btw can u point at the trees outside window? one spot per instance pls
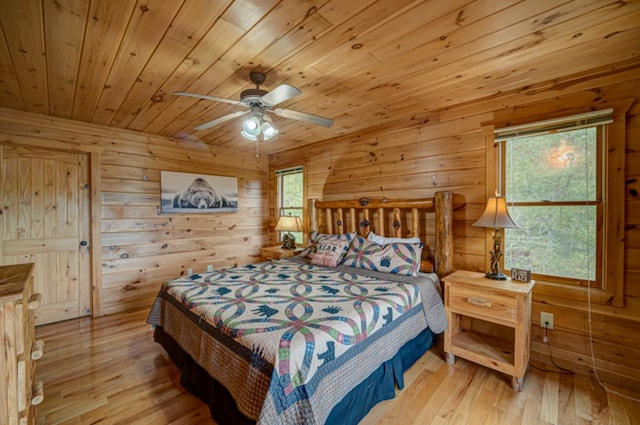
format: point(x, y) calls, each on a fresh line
point(553, 185)
point(291, 196)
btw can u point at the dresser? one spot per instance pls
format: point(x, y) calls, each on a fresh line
point(20, 351)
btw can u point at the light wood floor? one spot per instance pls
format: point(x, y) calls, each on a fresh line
point(109, 371)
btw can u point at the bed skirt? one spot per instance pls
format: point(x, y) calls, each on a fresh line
point(379, 386)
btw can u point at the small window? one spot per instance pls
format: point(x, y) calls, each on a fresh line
point(553, 183)
point(291, 196)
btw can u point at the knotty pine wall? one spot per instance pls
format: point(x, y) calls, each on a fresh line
point(135, 248)
point(448, 152)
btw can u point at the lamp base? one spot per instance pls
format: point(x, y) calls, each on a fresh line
point(495, 276)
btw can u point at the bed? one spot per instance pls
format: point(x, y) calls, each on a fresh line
point(305, 340)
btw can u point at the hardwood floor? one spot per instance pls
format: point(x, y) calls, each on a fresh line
point(109, 371)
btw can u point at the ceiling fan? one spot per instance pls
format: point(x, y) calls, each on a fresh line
point(258, 102)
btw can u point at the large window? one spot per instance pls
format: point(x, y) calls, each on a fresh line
point(553, 181)
point(291, 196)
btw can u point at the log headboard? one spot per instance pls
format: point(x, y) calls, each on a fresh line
point(429, 219)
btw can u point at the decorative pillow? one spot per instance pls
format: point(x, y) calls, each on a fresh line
point(398, 258)
point(315, 238)
point(329, 253)
point(381, 240)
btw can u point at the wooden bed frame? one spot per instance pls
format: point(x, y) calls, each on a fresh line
point(390, 217)
point(394, 218)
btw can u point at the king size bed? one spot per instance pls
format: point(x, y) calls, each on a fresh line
point(320, 337)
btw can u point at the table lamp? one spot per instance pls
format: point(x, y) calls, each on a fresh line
point(496, 217)
point(288, 223)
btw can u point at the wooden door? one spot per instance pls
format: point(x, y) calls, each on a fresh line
point(45, 199)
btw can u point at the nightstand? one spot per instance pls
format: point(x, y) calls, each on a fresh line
point(469, 295)
point(273, 252)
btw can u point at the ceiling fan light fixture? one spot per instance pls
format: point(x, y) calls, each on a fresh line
point(268, 129)
point(252, 125)
point(249, 136)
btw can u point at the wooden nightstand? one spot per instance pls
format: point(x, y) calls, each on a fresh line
point(469, 295)
point(273, 252)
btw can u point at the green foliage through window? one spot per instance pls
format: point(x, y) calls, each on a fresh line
point(552, 187)
point(291, 197)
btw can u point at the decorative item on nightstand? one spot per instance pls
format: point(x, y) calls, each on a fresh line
point(496, 216)
point(289, 223)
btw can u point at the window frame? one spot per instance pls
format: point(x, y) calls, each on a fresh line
point(612, 291)
point(598, 281)
point(279, 198)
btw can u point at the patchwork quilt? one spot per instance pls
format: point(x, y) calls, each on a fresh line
point(288, 338)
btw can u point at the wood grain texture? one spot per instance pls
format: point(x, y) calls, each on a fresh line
point(360, 62)
point(448, 154)
point(133, 248)
point(109, 370)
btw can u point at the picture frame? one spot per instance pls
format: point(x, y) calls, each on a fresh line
point(193, 193)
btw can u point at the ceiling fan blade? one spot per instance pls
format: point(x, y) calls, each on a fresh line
point(221, 120)
point(280, 94)
point(207, 97)
point(302, 116)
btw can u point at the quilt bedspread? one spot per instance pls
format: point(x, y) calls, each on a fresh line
point(302, 325)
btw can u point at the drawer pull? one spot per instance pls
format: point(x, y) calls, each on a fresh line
point(35, 301)
point(479, 301)
point(38, 394)
point(37, 350)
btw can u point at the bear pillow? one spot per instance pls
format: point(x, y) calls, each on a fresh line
point(315, 238)
point(329, 253)
point(397, 258)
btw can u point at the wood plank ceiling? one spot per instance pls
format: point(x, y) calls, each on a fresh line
point(363, 63)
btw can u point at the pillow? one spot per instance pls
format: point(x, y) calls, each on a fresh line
point(381, 240)
point(329, 253)
point(397, 258)
point(316, 237)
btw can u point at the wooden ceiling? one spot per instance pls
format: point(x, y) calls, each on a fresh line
point(363, 63)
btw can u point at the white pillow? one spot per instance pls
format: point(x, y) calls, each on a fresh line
point(381, 240)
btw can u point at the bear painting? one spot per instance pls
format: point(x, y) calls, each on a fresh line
point(197, 194)
point(200, 194)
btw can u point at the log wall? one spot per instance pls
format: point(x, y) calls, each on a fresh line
point(448, 152)
point(134, 247)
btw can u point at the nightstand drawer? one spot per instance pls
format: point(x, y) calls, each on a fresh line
point(488, 303)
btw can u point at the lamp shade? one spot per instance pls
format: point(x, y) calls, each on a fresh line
point(288, 223)
point(496, 214)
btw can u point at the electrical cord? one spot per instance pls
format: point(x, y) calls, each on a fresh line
point(562, 370)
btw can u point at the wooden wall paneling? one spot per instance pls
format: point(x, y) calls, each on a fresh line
point(22, 26)
point(282, 19)
point(64, 25)
point(381, 157)
point(125, 181)
point(9, 86)
point(189, 25)
point(476, 59)
point(147, 25)
point(107, 26)
point(219, 39)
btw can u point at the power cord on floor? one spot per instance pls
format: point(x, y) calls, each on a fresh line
point(593, 356)
point(561, 370)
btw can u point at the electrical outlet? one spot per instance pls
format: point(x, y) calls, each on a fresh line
point(209, 267)
point(189, 272)
point(546, 320)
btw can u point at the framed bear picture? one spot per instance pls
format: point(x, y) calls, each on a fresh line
point(188, 193)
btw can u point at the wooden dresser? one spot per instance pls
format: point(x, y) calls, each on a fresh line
point(20, 351)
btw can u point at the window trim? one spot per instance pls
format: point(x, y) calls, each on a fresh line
point(599, 202)
point(282, 172)
point(612, 292)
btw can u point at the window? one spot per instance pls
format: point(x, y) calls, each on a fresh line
point(552, 174)
point(291, 196)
